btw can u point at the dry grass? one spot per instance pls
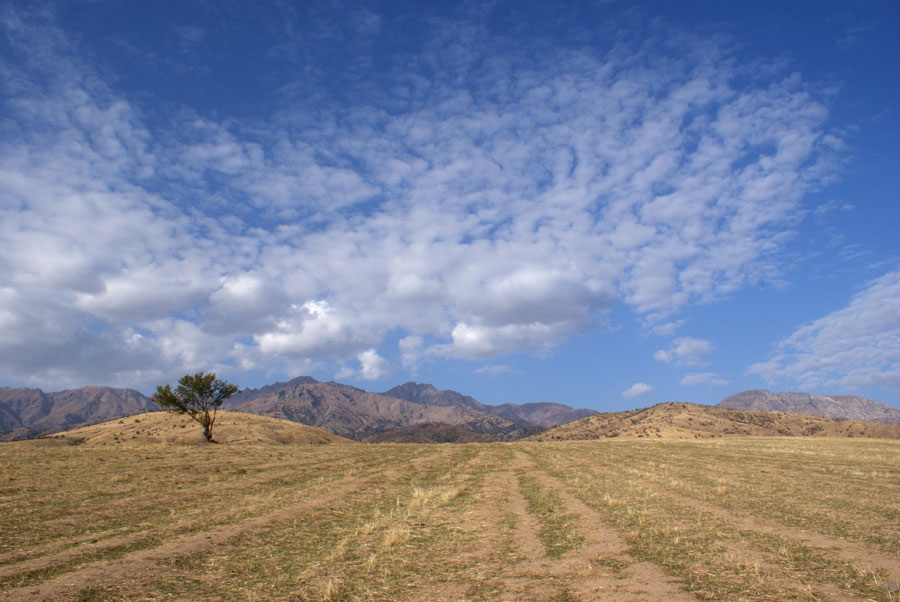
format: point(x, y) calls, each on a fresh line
point(727, 519)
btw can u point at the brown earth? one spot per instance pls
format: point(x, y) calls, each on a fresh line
point(692, 421)
point(167, 427)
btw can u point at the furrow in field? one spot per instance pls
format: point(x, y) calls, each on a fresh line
point(847, 551)
point(712, 558)
point(145, 542)
point(107, 537)
point(605, 549)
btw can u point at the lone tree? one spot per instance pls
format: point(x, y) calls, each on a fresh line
point(198, 396)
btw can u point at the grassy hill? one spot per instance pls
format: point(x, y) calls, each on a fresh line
point(166, 427)
point(692, 421)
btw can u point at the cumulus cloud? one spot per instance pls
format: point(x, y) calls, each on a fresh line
point(685, 351)
point(703, 378)
point(372, 366)
point(637, 389)
point(856, 346)
point(480, 208)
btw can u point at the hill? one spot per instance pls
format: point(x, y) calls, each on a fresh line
point(430, 433)
point(692, 421)
point(543, 414)
point(357, 414)
point(830, 406)
point(28, 413)
point(167, 427)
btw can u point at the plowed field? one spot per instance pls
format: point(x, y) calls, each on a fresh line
point(730, 519)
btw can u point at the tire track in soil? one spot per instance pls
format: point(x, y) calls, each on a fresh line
point(847, 551)
point(744, 554)
point(446, 591)
point(528, 574)
point(143, 562)
point(583, 570)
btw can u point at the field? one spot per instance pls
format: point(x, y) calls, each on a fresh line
point(723, 519)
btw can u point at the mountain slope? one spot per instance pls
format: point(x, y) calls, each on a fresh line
point(542, 414)
point(357, 414)
point(691, 421)
point(31, 412)
point(430, 432)
point(167, 427)
point(829, 406)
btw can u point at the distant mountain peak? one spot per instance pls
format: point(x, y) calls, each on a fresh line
point(28, 413)
point(847, 407)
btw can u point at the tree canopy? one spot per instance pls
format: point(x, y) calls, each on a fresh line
point(199, 396)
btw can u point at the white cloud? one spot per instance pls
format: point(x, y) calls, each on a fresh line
point(495, 369)
point(314, 329)
point(637, 389)
point(685, 351)
point(499, 217)
point(703, 378)
point(668, 328)
point(856, 346)
point(372, 365)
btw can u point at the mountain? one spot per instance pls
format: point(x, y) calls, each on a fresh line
point(357, 414)
point(692, 421)
point(542, 414)
point(425, 394)
point(430, 432)
point(28, 413)
point(167, 427)
point(829, 406)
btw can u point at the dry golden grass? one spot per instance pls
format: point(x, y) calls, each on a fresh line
point(723, 519)
point(692, 421)
point(167, 427)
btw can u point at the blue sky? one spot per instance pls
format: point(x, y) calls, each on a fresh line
point(606, 204)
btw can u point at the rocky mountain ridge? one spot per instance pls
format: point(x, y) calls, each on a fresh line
point(847, 407)
point(26, 413)
point(540, 414)
point(358, 414)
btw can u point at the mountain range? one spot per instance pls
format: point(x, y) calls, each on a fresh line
point(847, 407)
point(411, 412)
point(26, 413)
point(358, 414)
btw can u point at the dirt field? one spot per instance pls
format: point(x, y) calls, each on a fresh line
point(728, 519)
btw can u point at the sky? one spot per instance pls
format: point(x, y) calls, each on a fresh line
point(605, 204)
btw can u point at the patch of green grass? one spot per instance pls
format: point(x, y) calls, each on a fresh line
point(557, 527)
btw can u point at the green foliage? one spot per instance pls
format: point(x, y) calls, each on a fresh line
point(199, 396)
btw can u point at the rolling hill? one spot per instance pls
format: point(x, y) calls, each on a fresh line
point(692, 421)
point(167, 427)
point(830, 406)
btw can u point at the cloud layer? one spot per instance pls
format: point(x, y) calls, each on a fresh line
point(857, 346)
point(482, 200)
